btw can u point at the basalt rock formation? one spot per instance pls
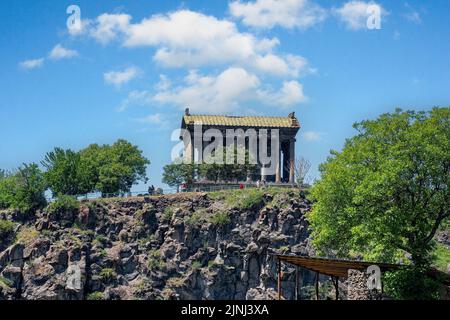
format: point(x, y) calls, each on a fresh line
point(184, 246)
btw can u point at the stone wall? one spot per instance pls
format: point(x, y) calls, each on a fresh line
point(357, 288)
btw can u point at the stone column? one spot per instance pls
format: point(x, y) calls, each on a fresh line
point(292, 160)
point(263, 173)
point(285, 163)
point(188, 150)
point(278, 168)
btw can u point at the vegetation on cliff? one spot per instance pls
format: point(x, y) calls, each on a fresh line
point(182, 246)
point(108, 169)
point(385, 195)
point(23, 190)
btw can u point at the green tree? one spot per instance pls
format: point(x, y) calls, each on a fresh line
point(175, 174)
point(66, 173)
point(228, 172)
point(23, 190)
point(387, 192)
point(114, 168)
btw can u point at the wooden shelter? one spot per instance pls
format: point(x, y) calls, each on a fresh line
point(333, 268)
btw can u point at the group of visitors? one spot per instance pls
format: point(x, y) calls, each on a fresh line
point(261, 184)
point(151, 190)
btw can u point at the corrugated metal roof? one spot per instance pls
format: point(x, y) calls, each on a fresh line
point(333, 267)
point(234, 121)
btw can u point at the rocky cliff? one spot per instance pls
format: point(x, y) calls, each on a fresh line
point(185, 246)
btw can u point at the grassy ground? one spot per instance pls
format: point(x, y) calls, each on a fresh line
point(231, 196)
point(442, 254)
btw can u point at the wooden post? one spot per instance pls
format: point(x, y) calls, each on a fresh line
point(336, 287)
point(317, 285)
point(279, 279)
point(296, 282)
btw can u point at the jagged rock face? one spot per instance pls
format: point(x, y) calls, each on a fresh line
point(185, 246)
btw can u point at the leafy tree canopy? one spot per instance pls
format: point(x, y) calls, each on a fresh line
point(176, 174)
point(114, 168)
point(228, 171)
point(109, 169)
point(66, 174)
point(387, 192)
point(24, 189)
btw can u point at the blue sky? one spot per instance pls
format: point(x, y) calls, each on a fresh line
point(130, 71)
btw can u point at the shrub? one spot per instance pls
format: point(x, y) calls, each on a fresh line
point(6, 228)
point(96, 296)
point(220, 219)
point(108, 274)
point(251, 199)
point(281, 199)
point(63, 203)
point(26, 235)
point(5, 283)
point(100, 240)
point(441, 257)
point(103, 253)
point(141, 285)
point(284, 249)
point(46, 233)
point(155, 260)
point(196, 265)
point(6, 233)
point(168, 213)
point(176, 282)
point(245, 199)
point(149, 238)
point(412, 284)
point(197, 217)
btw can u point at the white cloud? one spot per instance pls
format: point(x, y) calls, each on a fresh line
point(164, 83)
point(226, 92)
point(290, 94)
point(136, 98)
point(156, 118)
point(355, 13)
point(59, 52)
point(190, 39)
point(107, 26)
point(119, 78)
point(219, 94)
point(312, 136)
point(81, 28)
point(412, 15)
point(32, 64)
point(289, 65)
point(289, 14)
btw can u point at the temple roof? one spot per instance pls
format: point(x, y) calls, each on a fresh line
point(241, 121)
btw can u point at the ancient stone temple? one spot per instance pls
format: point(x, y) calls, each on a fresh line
point(263, 137)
